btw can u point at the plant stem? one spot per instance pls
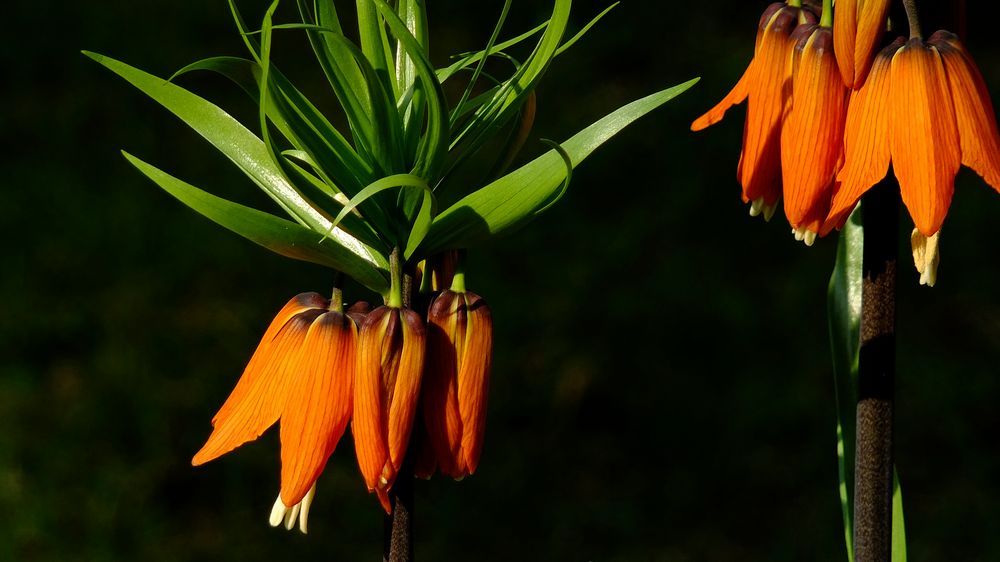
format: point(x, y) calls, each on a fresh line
point(397, 537)
point(876, 374)
point(912, 19)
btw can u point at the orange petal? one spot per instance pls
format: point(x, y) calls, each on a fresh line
point(440, 386)
point(261, 401)
point(299, 303)
point(368, 422)
point(474, 379)
point(866, 139)
point(845, 30)
point(405, 386)
point(735, 96)
point(977, 127)
point(813, 134)
point(318, 404)
point(759, 170)
point(871, 22)
point(923, 136)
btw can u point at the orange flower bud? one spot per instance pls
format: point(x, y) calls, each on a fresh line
point(459, 354)
point(857, 27)
point(386, 388)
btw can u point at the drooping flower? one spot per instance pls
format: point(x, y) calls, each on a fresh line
point(857, 27)
point(456, 383)
point(812, 134)
point(926, 109)
point(386, 389)
point(767, 87)
point(301, 373)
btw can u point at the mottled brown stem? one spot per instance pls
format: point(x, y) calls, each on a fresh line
point(398, 528)
point(876, 373)
point(397, 535)
point(912, 18)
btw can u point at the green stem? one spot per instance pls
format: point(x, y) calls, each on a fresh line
point(795, 3)
point(395, 299)
point(458, 281)
point(826, 19)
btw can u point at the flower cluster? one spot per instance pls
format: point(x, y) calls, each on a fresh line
point(825, 118)
point(319, 367)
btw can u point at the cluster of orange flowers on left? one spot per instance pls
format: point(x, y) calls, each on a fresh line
point(319, 367)
point(826, 116)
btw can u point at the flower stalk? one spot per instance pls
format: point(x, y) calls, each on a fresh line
point(876, 376)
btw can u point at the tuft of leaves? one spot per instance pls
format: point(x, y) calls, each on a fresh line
point(355, 195)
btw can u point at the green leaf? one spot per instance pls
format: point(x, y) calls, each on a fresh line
point(226, 134)
point(490, 118)
point(434, 145)
point(514, 199)
point(844, 317)
point(338, 65)
point(378, 186)
point(276, 234)
point(898, 525)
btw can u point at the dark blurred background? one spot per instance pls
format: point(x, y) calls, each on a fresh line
point(662, 387)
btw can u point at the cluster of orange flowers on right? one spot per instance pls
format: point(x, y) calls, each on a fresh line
point(319, 367)
point(825, 117)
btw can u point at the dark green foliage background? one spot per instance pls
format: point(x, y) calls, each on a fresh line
point(662, 386)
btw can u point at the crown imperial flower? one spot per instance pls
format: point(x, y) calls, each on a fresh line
point(301, 373)
point(812, 135)
point(925, 109)
point(459, 352)
point(386, 389)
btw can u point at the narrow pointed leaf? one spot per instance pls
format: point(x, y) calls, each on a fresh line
point(228, 135)
point(513, 200)
point(844, 317)
point(276, 234)
point(898, 525)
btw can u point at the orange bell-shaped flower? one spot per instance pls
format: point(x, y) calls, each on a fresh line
point(813, 133)
point(457, 376)
point(857, 27)
point(925, 108)
point(386, 391)
point(766, 85)
point(301, 372)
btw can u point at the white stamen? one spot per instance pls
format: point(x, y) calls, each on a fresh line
point(277, 512)
point(804, 235)
point(769, 211)
point(926, 256)
point(280, 513)
point(756, 206)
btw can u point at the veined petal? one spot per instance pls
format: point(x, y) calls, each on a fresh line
point(812, 135)
point(319, 403)
point(298, 303)
point(263, 400)
point(871, 22)
point(845, 30)
point(735, 96)
point(759, 170)
point(474, 379)
point(977, 126)
point(368, 423)
point(405, 386)
point(440, 386)
point(923, 136)
point(866, 139)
